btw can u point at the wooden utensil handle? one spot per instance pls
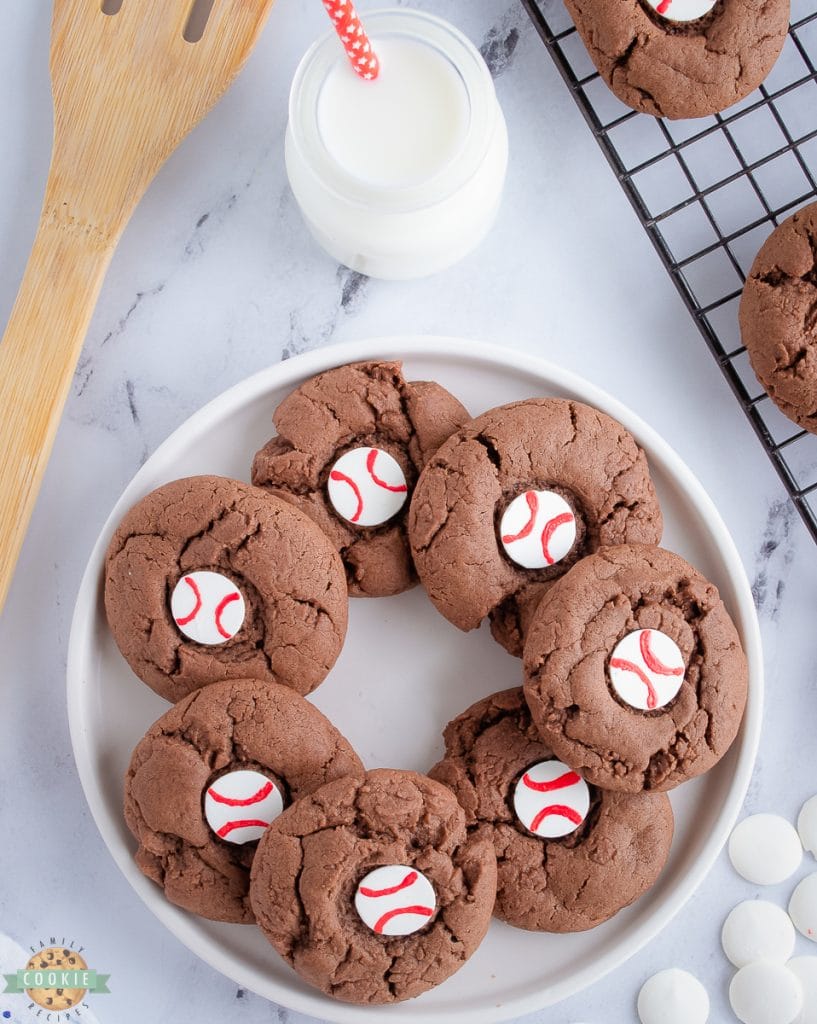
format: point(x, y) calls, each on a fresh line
point(38, 355)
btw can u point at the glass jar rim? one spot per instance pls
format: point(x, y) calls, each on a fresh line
point(324, 54)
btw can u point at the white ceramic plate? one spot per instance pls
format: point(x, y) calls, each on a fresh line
point(403, 673)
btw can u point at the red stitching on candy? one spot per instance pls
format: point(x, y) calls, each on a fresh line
point(381, 923)
point(533, 504)
point(235, 596)
point(553, 809)
point(550, 528)
point(564, 780)
point(225, 830)
point(664, 6)
point(410, 879)
point(650, 659)
point(628, 666)
point(371, 458)
point(343, 478)
point(233, 801)
point(197, 593)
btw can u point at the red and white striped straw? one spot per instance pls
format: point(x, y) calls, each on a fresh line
point(353, 36)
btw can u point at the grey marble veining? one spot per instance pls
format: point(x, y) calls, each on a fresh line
point(215, 278)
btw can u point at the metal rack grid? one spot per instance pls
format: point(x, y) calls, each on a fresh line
point(708, 193)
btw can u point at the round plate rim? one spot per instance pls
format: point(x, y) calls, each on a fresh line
point(288, 373)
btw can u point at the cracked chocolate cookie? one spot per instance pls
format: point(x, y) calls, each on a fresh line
point(350, 445)
point(207, 579)
point(778, 317)
point(372, 889)
point(634, 672)
point(682, 58)
point(569, 855)
point(516, 497)
point(209, 777)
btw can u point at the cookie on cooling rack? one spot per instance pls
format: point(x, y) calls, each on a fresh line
point(516, 497)
point(350, 445)
point(778, 317)
point(569, 855)
point(634, 671)
point(208, 778)
point(682, 58)
point(372, 888)
point(207, 579)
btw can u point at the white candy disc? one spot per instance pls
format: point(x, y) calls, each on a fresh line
point(766, 993)
point(804, 968)
point(240, 805)
point(537, 529)
point(673, 997)
point(647, 669)
point(395, 900)
point(551, 800)
point(757, 930)
point(682, 10)
point(765, 849)
point(807, 825)
point(367, 486)
point(803, 907)
point(207, 607)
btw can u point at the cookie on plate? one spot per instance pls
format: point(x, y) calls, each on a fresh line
point(569, 855)
point(207, 578)
point(350, 445)
point(778, 317)
point(516, 497)
point(372, 889)
point(208, 778)
point(682, 58)
point(634, 672)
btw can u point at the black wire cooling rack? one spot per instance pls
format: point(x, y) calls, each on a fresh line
point(708, 193)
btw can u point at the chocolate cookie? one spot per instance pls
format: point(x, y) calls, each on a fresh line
point(372, 889)
point(208, 579)
point(209, 777)
point(350, 445)
point(634, 673)
point(516, 497)
point(569, 856)
point(682, 58)
point(778, 317)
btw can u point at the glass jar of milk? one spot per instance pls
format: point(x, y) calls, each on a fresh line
point(401, 176)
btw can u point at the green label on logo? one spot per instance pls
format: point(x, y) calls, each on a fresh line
point(48, 979)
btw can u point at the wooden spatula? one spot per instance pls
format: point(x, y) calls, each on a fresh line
point(127, 88)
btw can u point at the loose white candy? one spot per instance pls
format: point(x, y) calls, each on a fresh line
point(682, 10)
point(766, 993)
point(207, 607)
point(240, 805)
point(805, 970)
point(537, 529)
point(673, 997)
point(765, 849)
point(395, 900)
point(803, 907)
point(646, 669)
point(367, 486)
point(807, 825)
point(757, 930)
point(551, 800)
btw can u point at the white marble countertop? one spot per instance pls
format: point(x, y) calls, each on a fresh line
point(216, 278)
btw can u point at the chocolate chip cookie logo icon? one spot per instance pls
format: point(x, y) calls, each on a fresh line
point(57, 978)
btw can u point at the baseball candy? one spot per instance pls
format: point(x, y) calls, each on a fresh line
point(647, 669)
point(207, 607)
point(240, 805)
point(682, 10)
point(395, 900)
point(537, 529)
point(367, 487)
point(551, 800)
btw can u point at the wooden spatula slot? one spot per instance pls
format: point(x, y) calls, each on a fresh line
point(111, 6)
point(197, 22)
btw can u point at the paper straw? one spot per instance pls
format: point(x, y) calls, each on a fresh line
point(353, 36)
